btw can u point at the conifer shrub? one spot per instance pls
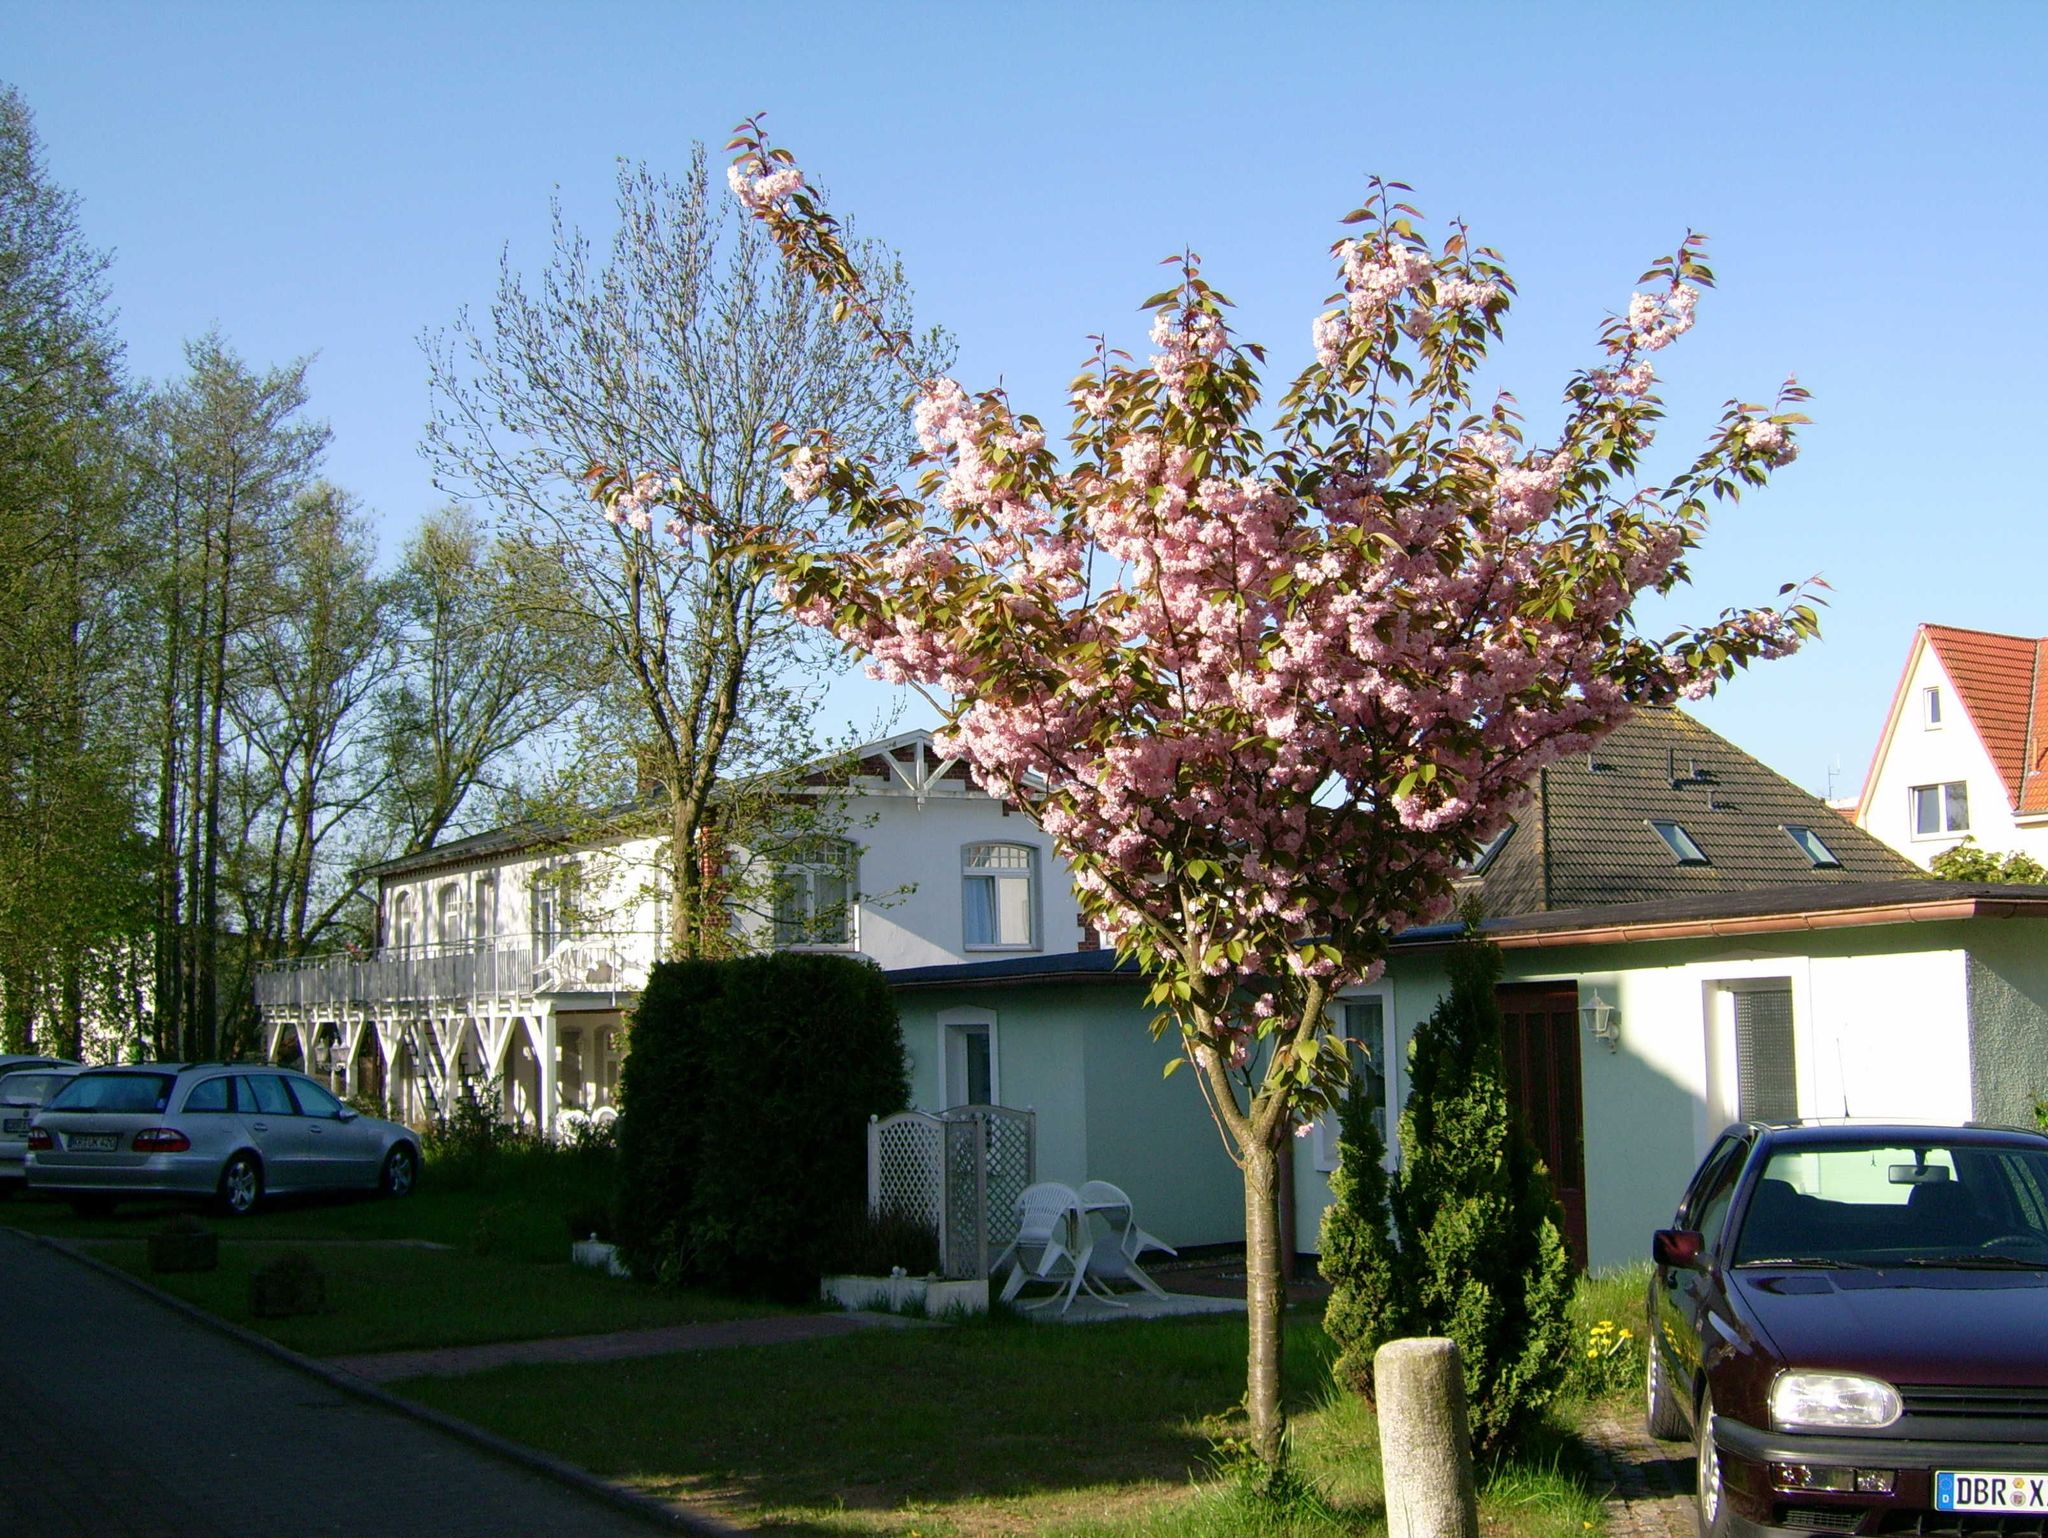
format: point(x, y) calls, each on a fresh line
point(1467, 1240)
point(743, 1132)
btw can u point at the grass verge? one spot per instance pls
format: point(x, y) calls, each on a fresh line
point(393, 1299)
point(1096, 1430)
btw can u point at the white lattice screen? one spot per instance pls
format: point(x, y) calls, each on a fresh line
point(961, 1171)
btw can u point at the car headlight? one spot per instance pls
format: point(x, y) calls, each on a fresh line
point(1802, 1401)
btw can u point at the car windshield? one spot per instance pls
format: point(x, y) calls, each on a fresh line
point(1918, 1203)
point(114, 1092)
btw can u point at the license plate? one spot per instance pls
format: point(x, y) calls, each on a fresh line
point(1972, 1490)
point(92, 1142)
point(14, 1124)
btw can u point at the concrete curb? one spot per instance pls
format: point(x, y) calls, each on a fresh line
point(662, 1514)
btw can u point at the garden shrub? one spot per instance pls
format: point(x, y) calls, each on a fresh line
point(743, 1116)
point(864, 1243)
point(1480, 1255)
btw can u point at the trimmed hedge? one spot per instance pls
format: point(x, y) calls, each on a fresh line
point(744, 1104)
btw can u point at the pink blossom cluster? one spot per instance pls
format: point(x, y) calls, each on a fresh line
point(1633, 381)
point(1188, 338)
point(634, 507)
point(1266, 701)
point(759, 188)
point(1771, 442)
point(1655, 321)
point(804, 472)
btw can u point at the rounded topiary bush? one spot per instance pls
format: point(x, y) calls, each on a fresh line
point(743, 1131)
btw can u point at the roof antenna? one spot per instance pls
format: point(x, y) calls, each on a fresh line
point(1842, 1070)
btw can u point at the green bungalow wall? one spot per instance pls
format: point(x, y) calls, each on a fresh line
point(1929, 1021)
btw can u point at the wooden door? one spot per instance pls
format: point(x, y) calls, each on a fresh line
point(1539, 1039)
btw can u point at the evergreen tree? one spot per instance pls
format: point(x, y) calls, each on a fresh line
point(1481, 1256)
point(1358, 1254)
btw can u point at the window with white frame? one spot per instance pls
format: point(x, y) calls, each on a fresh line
point(999, 896)
point(1930, 708)
point(550, 909)
point(816, 891)
point(404, 927)
point(484, 905)
point(970, 1058)
point(448, 913)
point(1939, 809)
point(1363, 1023)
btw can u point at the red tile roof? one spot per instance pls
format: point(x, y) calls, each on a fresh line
point(1999, 680)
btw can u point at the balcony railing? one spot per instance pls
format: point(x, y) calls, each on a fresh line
point(503, 967)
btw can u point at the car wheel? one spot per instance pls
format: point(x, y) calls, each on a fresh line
point(1663, 1419)
point(401, 1169)
point(1710, 1497)
point(241, 1185)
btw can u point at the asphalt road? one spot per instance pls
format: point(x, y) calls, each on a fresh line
point(121, 1417)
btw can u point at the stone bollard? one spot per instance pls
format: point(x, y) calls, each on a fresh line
point(1425, 1440)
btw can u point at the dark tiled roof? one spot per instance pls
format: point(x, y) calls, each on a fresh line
point(1997, 679)
point(1069, 966)
point(1586, 839)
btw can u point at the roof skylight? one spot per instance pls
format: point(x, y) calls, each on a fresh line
point(1812, 847)
point(1679, 842)
point(1488, 853)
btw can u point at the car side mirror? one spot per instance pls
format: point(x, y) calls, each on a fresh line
point(1677, 1247)
point(349, 1113)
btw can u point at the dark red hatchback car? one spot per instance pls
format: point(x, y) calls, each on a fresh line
point(1850, 1320)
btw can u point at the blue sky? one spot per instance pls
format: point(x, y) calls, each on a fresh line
point(337, 179)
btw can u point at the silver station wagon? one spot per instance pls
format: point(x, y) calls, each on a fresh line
point(23, 1093)
point(234, 1132)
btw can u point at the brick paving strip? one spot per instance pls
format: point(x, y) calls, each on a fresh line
point(126, 1411)
point(1651, 1494)
point(453, 1361)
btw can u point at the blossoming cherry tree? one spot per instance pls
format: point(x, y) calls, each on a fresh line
point(1268, 687)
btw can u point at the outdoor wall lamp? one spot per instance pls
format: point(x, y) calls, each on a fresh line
point(1603, 1020)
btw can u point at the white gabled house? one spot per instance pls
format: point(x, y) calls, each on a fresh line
point(510, 956)
point(1964, 751)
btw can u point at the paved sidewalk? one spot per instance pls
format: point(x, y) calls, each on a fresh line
point(1652, 1481)
point(774, 1330)
point(122, 1417)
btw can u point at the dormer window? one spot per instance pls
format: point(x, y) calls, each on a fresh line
point(1680, 843)
point(1930, 708)
point(1812, 847)
point(1488, 852)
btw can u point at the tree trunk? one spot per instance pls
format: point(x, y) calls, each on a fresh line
point(1265, 1300)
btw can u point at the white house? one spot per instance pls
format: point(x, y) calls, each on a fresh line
point(516, 957)
point(1688, 939)
point(1964, 752)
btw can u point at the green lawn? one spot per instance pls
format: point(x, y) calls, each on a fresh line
point(996, 1428)
point(390, 1299)
point(518, 1205)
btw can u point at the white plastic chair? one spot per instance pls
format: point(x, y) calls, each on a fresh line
point(1119, 1261)
point(1053, 1244)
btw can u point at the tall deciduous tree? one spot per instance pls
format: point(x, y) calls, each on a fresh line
point(70, 878)
point(310, 670)
point(1267, 689)
point(657, 377)
point(225, 460)
point(474, 677)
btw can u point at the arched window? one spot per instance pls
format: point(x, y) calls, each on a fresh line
point(999, 896)
point(404, 925)
point(817, 889)
point(448, 913)
point(485, 905)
